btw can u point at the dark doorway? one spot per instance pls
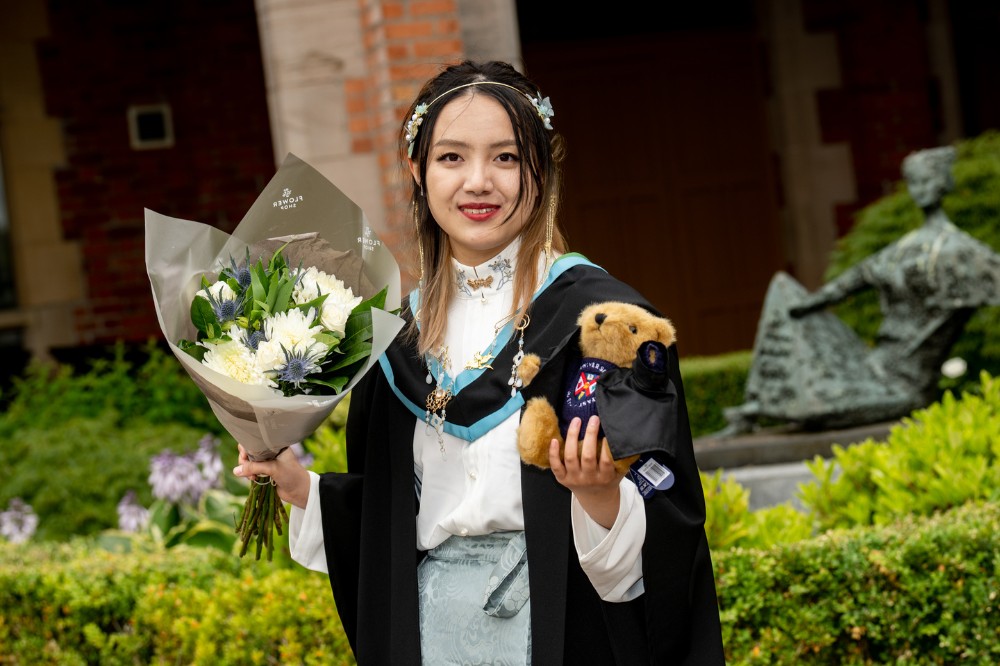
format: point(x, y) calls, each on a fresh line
point(669, 181)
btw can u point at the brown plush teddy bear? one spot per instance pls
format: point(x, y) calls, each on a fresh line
point(613, 337)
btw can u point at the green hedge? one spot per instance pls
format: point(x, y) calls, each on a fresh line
point(76, 604)
point(921, 591)
point(711, 383)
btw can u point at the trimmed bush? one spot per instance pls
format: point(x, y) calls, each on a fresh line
point(711, 383)
point(76, 604)
point(939, 457)
point(921, 591)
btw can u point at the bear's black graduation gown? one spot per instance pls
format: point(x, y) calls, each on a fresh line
point(369, 514)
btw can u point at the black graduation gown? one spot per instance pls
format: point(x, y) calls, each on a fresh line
point(370, 528)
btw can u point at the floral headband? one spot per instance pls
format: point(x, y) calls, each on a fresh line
point(543, 107)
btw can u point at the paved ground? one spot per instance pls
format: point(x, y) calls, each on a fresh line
point(769, 463)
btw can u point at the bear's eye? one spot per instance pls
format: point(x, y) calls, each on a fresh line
point(633, 329)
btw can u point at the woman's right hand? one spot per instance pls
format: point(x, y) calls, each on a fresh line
point(289, 476)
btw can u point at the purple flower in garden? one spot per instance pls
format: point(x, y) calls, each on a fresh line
point(132, 516)
point(305, 458)
point(19, 522)
point(184, 478)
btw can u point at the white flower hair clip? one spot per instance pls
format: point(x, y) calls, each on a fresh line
point(543, 107)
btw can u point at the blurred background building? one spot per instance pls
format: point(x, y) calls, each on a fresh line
point(709, 144)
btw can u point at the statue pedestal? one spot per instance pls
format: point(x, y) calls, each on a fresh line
point(770, 446)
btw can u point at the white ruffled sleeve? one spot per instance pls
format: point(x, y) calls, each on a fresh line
point(612, 559)
point(305, 531)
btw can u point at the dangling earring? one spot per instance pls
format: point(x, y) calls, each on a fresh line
point(550, 222)
point(420, 242)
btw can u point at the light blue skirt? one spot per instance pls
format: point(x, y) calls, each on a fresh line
point(474, 605)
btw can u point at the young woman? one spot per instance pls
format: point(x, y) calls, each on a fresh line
point(441, 546)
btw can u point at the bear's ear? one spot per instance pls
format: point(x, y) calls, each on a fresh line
point(665, 332)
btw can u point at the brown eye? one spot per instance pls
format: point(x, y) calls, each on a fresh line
point(633, 329)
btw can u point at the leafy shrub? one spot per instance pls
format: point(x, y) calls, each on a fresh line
point(711, 383)
point(156, 391)
point(75, 603)
point(921, 591)
point(940, 457)
point(729, 523)
point(973, 206)
point(73, 472)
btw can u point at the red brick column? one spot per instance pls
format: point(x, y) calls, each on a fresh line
point(407, 42)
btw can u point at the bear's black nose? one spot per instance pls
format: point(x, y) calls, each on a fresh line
point(600, 317)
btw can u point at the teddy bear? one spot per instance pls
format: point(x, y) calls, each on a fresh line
point(615, 337)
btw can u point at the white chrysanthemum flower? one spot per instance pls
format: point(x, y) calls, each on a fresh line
point(292, 330)
point(234, 359)
point(340, 300)
point(220, 292)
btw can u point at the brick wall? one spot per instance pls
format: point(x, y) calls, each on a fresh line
point(406, 42)
point(201, 58)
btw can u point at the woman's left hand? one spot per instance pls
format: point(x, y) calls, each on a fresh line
point(587, 468)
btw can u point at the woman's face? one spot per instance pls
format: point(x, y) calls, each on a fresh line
point(473, 178)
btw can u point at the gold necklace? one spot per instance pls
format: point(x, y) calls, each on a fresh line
point(435, 406)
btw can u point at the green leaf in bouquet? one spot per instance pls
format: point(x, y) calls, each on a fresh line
point(278, 263)
point(376, 301)
point(284, 295)
point(336, 383)
point(329, 339)
point(359, 324)
point(359, 353)
point(272, 292)
point(192, 349)
point(314, 303)
point(258, 280)
point(205, 284)
point(203, 316)
point(234, 285)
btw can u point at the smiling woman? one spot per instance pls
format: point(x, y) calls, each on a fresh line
point(441, 544)
point(472, 182)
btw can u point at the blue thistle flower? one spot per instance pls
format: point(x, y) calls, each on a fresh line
point(240, 273)
point(253, 338)
point(299, 364)
point(226, 309)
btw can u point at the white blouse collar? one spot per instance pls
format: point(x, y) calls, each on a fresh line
point(491, 277)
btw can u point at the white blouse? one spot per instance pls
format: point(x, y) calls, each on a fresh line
point(474, 488)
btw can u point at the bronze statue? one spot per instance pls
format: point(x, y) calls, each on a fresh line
point(811, 369)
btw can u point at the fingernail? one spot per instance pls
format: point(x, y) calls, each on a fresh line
point(238, 470)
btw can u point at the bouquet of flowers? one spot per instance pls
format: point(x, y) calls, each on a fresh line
point(278, 321)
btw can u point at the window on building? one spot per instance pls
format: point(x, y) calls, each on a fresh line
point(150, 126)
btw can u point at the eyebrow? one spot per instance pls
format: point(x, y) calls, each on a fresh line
point(453, 143)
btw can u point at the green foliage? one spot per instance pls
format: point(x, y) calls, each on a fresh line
point(711, 383)
point(729, 523)
point(78, 604)
point(157, 391)
point(73, 472)
point(940, 457)
point(328, 444)
point(973, 206)
point(921, 591)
